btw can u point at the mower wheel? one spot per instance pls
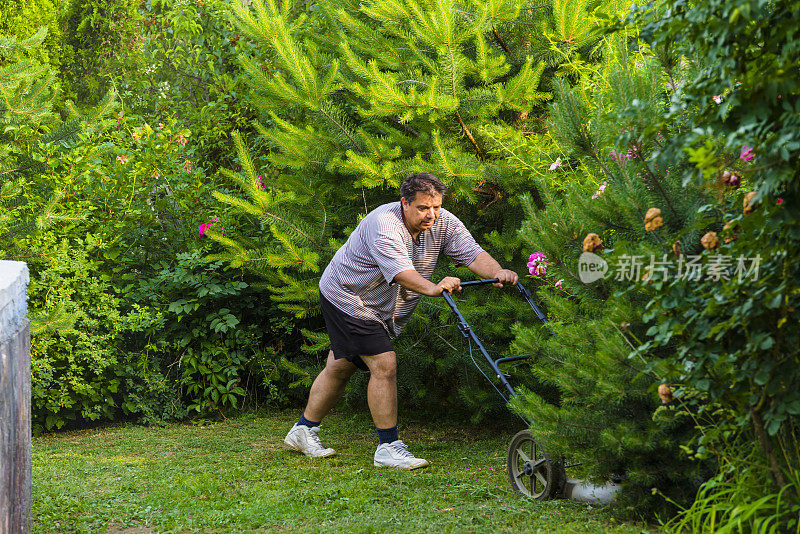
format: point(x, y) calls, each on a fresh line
point(531, 472)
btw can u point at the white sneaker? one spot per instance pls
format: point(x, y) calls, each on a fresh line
point(397, 456)
point(305, 439)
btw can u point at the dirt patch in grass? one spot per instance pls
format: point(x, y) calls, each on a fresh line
point(114, 529)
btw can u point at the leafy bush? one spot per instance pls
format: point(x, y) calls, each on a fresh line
point(107, 41)
point(74, 367)
point(119, 197)
point(733, 340)
point(23, 18)
point(181, 318)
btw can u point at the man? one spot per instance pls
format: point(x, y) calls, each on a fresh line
point(368, 292)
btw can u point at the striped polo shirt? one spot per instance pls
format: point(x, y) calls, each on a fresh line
point(359, 280)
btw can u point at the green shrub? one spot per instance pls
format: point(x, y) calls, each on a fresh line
point(74, 367)
point(107, 41)
point(733, 339)
point(104, 207)
point(22, 19)
point(189, 316)
point(182, 64)
point(605, 416)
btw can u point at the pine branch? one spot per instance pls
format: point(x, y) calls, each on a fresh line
point(458, 115)
point(597, 159)
point(661, 190)
point(500, 41)
point(339, 125)
point(405, 127)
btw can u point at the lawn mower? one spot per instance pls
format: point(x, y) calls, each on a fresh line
point(531, 471)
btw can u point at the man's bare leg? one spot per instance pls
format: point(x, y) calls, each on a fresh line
point(382, 399)
point(382, 388)
point(328, 387)
point(326, 390)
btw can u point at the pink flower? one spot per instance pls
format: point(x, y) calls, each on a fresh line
point(558, 284)
point(747, 153)
point(717, 99)
point(187, 166)
point(122, 160)
point(556, 164)
point(779, 202)
point(261, 182)
point(600, 191)
point(537, 264)
point(135, 136)
point(182, 140)
point(205, 226)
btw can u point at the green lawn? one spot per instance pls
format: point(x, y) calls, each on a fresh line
point(236, 476)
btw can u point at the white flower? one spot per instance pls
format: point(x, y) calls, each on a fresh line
point(556, 164)
point(717, 99)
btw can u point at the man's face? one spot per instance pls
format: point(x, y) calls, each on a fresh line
point(422, 212)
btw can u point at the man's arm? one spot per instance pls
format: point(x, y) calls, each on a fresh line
point(485, 266)
point(412, 280)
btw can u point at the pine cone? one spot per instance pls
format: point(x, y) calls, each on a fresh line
point(652, 219)
point(665, 392)
point(592, 242)
point(730, 225)
point(748, 206)
point(710, 241)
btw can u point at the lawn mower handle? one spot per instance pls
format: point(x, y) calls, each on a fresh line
point(479, 282)
point(468, 333)
point(523, 291)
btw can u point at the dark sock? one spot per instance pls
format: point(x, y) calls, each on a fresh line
point(306, 422)
point(387, 435)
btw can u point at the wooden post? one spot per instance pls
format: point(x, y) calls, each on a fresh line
point(15, 399)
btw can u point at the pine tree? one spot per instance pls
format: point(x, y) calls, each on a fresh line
point(356, 97)
point(28, 91)
point(29, 129)
point(596, 406)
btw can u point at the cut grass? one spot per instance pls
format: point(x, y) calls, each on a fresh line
point(237, 476)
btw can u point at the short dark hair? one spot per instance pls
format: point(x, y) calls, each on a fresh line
point(421, 182)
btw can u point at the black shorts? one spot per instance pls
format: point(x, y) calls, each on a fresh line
point(351, 337)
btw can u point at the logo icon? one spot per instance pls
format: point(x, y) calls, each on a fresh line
point(591, 267)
